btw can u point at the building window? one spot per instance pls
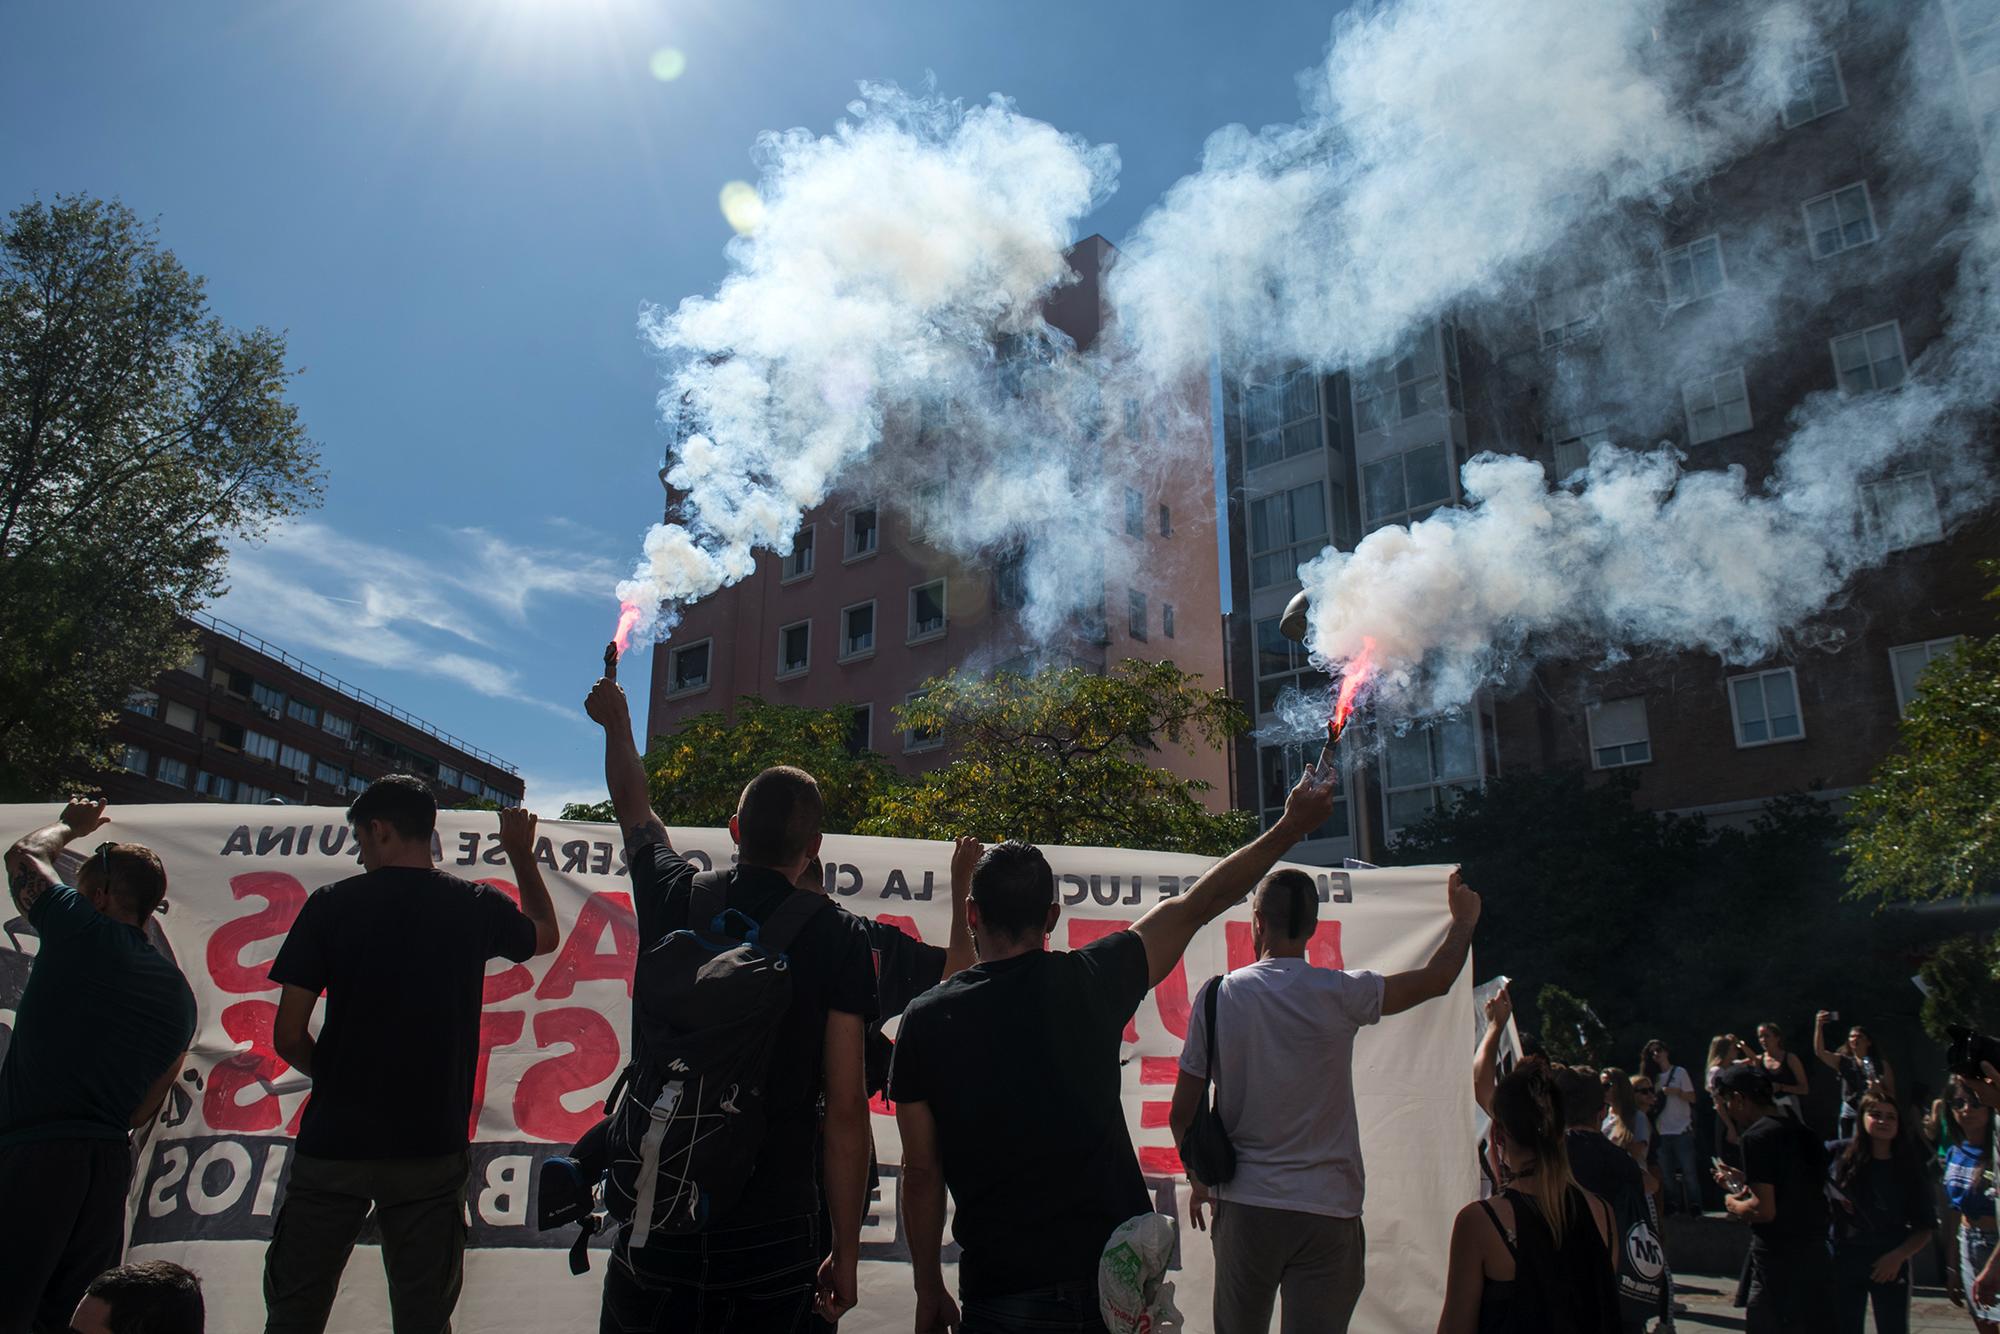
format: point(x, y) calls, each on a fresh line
point(1694, 271)
point(304, 712)
point(1901, 512)
point(857, 630)
point(1766, 708)
point(1166, 620)
point(1817, 91)
point(215, 785)
point(330, 774)
point(927, 611)
point(1166, 522)
point(1716, 405)
point(1870, 359)
point(1573, 443)
point(356, 784)
point(249, 794)
point(145, 703)
point(861, 729)
point(172, 772)
point(1010, 582)
point(1282, 663)
point(1839, 221)
point(1567, 317)
point(135, 760)
point(1280, 420)
point(293, 760)
point(338, 726)
point(259, 746)
point(920, 738)
point(1136, 614)
point(1135, 418)
point(799, 563)
point(1618, 733)
point(1287, 529)
point(197, 666)
point(687, 668)
point(1906, 663)
point(1425, 769)
point(1135, 513)
point(794, 648)
point(179, 715)
point(270, 700)
point(448, 775)
point(1278, 769)
point(1408, 382)
point(1404, 487)
point(863, 532)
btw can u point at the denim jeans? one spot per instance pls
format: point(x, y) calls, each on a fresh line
point(744, 1280)
point(1677, 1156)
point(1066, 1308)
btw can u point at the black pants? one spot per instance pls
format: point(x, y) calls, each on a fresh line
point(1791, 1290)
point(1855, 1291)
point(1066, 1308)
point(62, 1223)
point(744, 1280)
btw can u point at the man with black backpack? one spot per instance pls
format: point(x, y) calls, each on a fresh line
point(750, 1003)
point(1608, 1172)
point(1007, 1087)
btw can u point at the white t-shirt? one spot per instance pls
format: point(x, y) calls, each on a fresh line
point(1286, 1033)
point(1675, 1116)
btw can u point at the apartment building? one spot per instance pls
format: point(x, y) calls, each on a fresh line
point(866, 608)
point(245, 721)
point(1823, 261)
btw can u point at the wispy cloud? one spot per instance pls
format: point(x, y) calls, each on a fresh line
point(312, 588)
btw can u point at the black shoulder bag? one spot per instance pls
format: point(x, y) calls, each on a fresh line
point(1205, 1150)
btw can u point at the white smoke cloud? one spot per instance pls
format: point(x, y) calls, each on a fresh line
point(891, 257)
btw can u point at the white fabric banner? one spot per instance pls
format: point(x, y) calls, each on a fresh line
point(210, 1170)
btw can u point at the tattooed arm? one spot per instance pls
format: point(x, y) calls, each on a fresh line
point(31, 862)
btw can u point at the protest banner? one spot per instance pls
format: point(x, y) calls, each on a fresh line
point(211, 1169)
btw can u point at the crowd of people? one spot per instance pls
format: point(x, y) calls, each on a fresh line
point(736, 1158)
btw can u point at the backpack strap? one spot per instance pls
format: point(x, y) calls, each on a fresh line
point(1208, 1005)
point(781, 926)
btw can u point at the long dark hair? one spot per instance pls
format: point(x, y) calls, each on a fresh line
point(1528, 1110)
point(1902, 1150)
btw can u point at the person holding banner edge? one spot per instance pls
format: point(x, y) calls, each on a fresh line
point(985, 1062)
point(99, 1037)
point(400, 953)
point(1289, 1218)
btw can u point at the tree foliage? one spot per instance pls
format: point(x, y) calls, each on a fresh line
point(138, 436)
point(1962, 985)
point(697, 772)
point(1671, 927)
point(1927, 825)
point(1571, 1031)
point(1067, 756)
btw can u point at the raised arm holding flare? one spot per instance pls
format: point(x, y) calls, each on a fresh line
point(624, 772)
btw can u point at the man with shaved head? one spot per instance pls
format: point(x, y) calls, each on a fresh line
point(1282, 1063)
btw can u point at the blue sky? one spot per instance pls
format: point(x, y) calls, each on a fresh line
point(456, 208)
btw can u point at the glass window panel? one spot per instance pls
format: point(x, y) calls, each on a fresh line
point(1267, 520)
point(1276, 568)
point(1309, 513)
point(1456, 755)
point(1301, 395)
point(1429, 476)
point(1409, 758)
point(1779, 697)
point(1406, 808)
point(1301, 437)
point(1382, 486)
point(1261, 409)
point(1274, 651)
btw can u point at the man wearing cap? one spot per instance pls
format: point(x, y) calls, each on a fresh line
point(1781, 1193)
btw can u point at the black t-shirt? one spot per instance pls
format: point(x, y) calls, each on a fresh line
point(1606, 1171)
point(401, 955)
point(1784, 1154)
point(1018, 1060)
point(905, 968)
point(1889, 1198)
point(832, 969)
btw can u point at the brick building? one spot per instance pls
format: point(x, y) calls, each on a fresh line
point(865, 609)
point(1856, 249)
point(245, 721)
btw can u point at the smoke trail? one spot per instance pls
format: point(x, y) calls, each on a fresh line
point(891, 258)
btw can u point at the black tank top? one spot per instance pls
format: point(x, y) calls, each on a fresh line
point(1566, 1290)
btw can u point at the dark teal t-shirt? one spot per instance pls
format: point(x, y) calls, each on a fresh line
point(104, 1015)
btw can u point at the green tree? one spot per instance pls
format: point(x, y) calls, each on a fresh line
point(1571, 1031)
point(138, 437)
point(1927, 825)
point(1067, 756)
point(1962, 985)
point(697, 772)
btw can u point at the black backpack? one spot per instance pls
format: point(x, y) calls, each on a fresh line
point(1206, 1149)
point(707, 1002)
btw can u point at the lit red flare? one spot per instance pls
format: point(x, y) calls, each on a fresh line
point(1354, 676)
point(628, 616)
